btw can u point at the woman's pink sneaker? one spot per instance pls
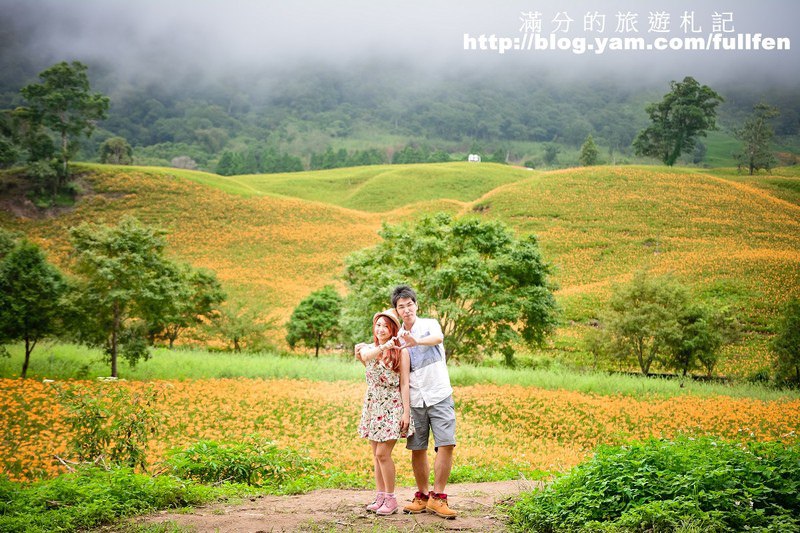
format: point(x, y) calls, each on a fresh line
point(389, 506)
point(374, 506)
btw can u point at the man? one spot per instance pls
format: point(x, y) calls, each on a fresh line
point(431, 404)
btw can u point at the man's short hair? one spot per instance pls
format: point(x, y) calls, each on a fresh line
point(403, 291)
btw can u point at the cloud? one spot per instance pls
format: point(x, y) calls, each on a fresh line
point(161, 37)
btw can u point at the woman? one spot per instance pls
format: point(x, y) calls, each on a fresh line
point(386, 415)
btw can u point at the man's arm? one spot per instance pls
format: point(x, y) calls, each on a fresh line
point(434, 338)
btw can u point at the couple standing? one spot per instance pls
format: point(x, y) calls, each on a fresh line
point(408, 395)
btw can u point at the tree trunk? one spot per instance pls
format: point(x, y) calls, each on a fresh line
point(319, 341)
point(64, 144)
point(28, 349)
point(114, 341)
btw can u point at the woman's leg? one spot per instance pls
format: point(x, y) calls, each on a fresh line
point(380, 483)
point(384, 464)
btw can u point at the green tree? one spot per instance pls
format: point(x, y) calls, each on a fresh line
point(786, 343)
point(701, 332)
point(31, 291)
point(124, 276)
point(685, 113)
point(315, 319)
point(196, 295)
point(589, 152)
point(62, 102)
point(229, 164)
point(9, 142)
point(550, 154)
point(488, 289)
point(243, 328)
point(116, 151)
point(643, 324)
point(756, 134)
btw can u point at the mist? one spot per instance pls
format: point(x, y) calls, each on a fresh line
point(156, 41)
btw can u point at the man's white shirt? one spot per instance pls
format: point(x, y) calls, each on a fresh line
point(429, 382)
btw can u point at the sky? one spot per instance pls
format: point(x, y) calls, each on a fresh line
point(573, 37)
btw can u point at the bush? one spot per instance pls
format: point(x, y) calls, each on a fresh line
point(111, 421)
point(702, 484)
point(258, 462)
point(91, 496)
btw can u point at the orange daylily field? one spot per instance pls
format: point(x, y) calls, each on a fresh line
point(498, 426)
point(272, 240)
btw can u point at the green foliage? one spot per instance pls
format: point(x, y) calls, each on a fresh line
point(63, 103)
point(550, 154)
point(257, 462)
point(243, 328)
point(31, 291)
point(652, 319)
point(786, 344)
point(342, 158)
point(111, 422)
point(644, 318)
point(685, 113)
point(116, 151)
point(193, 300)
point(92, 496)
point(706, 484)
point(488, 289)
point(756, 134)
point(124, 277)
point(315, 319)
point(589, 152)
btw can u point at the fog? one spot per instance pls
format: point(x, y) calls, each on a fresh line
point(158, 39)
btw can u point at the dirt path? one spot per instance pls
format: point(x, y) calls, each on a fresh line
point(343, 510)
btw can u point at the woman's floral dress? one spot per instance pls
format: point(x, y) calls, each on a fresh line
point(383, 405)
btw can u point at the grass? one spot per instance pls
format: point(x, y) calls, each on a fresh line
point(63, 361)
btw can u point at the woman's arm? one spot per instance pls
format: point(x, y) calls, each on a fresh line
point(405, 370)
point(370, 351)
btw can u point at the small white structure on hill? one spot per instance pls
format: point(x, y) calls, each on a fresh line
point(474, 158)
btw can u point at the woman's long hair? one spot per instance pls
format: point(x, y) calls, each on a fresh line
point(392, 357)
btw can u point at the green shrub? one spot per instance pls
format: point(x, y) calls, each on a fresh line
point(111, 420)
point(686, 485)
point(257, 462)
point(91, 496)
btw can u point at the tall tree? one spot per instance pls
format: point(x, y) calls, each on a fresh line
point(124, 274)
point(62, 102)
point(589, 152)
point(30, 298)
point(196, 295)
point(644, 320)
point(315, 319)
point(685, 113)
point(756, 134)
point(116, 151)
point(488, 288)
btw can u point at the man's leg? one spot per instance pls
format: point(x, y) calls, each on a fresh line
point(441, 468)
point(422, 470)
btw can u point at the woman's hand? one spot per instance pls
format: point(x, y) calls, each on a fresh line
point(405, 421)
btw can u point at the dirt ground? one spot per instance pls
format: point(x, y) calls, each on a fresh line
point(479, 507)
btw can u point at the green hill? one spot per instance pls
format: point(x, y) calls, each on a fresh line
point(273, 239)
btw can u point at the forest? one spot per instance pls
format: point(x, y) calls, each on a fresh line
point(316, 116)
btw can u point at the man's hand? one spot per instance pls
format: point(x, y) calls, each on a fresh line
point(408, 340)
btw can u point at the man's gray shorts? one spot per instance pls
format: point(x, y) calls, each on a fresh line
point(441, 418)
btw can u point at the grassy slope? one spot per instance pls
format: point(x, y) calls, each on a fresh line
point(273, 239)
